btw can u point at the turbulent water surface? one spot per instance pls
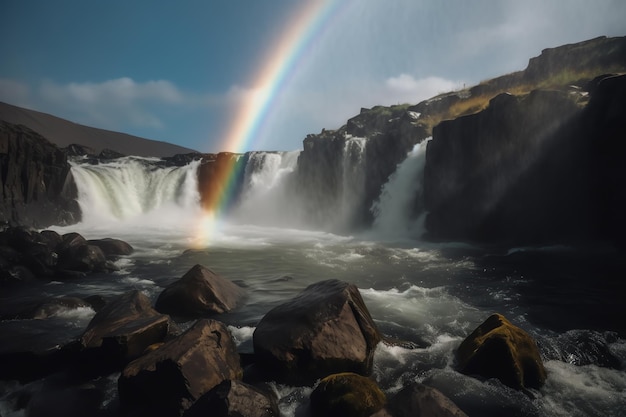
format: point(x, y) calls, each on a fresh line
point(429, 296)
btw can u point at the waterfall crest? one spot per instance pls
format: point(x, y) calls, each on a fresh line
point(267, 197)
point(133, 189)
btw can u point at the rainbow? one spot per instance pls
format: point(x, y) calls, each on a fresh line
point(307, 24)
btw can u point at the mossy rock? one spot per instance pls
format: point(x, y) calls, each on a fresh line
point(498, 349)
point(347, 395)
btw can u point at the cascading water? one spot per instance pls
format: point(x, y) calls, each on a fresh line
point(135, 191)
point(266, 198)
point(398, 211)
point(352, 181)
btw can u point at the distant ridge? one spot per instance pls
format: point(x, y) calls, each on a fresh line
point(62, 133)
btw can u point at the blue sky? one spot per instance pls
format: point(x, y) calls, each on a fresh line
point(176, 71)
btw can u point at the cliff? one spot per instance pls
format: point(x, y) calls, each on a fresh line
point(37, 187)
point(341, 172)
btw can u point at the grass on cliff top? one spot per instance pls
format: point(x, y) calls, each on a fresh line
point(517, 86)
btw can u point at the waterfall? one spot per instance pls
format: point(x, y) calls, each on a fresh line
point(352, 181)
point(135, 191)
point(399, 209)
point(267, 197)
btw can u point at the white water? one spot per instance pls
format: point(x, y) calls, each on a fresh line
point(266, 198)
point(394, 209)
point(352, 182)
point(134, 193)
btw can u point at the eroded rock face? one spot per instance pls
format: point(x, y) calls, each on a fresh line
point(348, 395)
point(168, 380)
point(325, 329)
point(340, 172)
point(200, 292)
point(531, 169)
point(233, 399)
point(477, 178)
point(37, 188)
point(498, 349)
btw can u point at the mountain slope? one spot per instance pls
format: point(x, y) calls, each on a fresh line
point(62, 133)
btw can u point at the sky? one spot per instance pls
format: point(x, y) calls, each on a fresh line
point(240, 75)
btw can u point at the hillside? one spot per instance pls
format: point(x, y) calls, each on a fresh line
point(62, 133)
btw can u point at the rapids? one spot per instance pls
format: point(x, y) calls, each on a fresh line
point(427, 295)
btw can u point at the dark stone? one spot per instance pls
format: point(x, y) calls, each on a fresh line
point(37, 188)
point(168, 380)
point(346, 395)
point(498, 349)
point(112, 248)
point(234, 399)
point(200, 292)
point(326, 329)
point(419, 400)
point(124, 328)
point(76, 254)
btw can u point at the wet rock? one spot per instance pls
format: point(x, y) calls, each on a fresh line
point(112, 248)
point(326, 329)
point(419, 400)
point(346, 395)
point(234, 399)
point(498, 349)
point(76, 254)
point(124, 328)
point(168, 380)
point(200, 292)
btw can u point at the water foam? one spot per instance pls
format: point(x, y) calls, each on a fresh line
point(401, 197)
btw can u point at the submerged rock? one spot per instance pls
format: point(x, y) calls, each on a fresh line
point(326, 329)
point(168, 380)
point(200, 292)
point(419, 400)
point(234, 399)
point(346, 395)
point(498, 349)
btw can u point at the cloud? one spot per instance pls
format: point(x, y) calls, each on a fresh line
point(113, 103)
point(14, 92)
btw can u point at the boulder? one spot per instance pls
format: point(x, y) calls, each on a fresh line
point(234, 399)
point(168, 380)
point(419, 400)
point(200, 292)
point(498, 349)
point(76, 254)
point(112, 248)
point(125, 327)
point(326, 329)
point(346, 395)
